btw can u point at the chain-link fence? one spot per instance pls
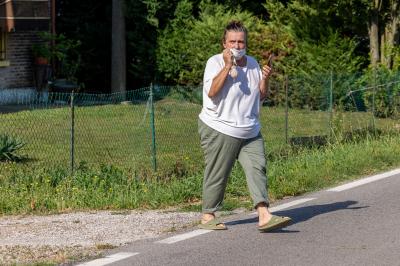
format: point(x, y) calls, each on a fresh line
point(155, 128)
point(315, 109)
point(140, 130)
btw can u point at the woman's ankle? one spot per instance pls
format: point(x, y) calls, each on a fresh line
point(208, 216)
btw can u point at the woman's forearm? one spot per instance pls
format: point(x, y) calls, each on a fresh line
point(218, 82)
point(263, 89)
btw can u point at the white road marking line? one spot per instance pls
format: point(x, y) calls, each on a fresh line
point(181, 237)
point(364, 181)
point(109, 259)
point(286, 205)
point(185, 236)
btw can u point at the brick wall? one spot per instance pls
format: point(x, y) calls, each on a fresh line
point(20, 72)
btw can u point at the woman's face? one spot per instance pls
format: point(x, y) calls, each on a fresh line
point(235, 39)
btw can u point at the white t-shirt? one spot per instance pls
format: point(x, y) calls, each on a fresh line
point(234, 111)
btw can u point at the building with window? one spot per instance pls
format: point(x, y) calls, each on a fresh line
point(20, 22)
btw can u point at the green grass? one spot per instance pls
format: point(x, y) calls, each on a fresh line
point(113, 157)
point(103, 134)
point(121, 134)
point(114, 188)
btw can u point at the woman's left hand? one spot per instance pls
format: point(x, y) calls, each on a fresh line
point(266, 72)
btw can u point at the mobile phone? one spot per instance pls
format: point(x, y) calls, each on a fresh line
point(269, 62)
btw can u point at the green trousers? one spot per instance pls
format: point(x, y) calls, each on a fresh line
point(221, 152)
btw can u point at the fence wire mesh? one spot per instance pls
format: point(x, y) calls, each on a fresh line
point(155, 128)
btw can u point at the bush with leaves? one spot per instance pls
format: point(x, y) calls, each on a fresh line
point(186, 43)
point(313, 51)
point(381, 91)
point(10, 147)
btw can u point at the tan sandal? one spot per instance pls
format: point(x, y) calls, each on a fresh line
point(213, 224)
point(274, 223)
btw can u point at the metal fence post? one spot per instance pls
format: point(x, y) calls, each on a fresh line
point(153, 129)
point(286, 110)
point(373, 102)
point(331, 104)
point(72, 144)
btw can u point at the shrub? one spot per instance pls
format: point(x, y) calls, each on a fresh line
point(382, 92)
point(186, 43)
point(9, 148)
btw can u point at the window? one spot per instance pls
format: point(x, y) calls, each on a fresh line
point(20, 15)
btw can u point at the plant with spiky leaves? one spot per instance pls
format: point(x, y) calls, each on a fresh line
point(10, 147)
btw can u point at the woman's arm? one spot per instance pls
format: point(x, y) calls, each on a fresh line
point(266, 72)
point(219, 80)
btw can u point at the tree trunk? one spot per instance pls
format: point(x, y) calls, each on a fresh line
point(392, 33)
point(118, 48)
point(384, 33)
point(373, 32)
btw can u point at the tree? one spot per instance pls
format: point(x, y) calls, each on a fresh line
point(384, 31)
point(373, 24)
point(311, 46)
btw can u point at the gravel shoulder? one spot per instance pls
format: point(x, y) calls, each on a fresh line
point(62, 238)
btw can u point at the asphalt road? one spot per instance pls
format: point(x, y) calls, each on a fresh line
point(356, 226)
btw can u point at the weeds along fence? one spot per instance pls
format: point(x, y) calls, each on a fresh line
point(154, 129)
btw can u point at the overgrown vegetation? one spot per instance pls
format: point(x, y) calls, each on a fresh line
point(307, 36)
point(383, 93)
point(113, 147)
point(10, 148)
point(109, 187)
point(121, 135)
point(315, 56)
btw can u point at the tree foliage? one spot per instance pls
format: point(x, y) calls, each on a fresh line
point(169, 42)
point(186, 43)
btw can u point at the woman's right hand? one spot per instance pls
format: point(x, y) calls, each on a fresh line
point(228, 57)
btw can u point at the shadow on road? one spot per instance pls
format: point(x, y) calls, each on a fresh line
point(302, 214)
